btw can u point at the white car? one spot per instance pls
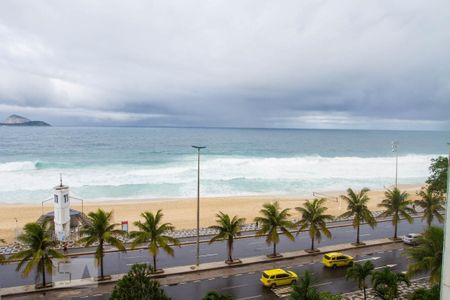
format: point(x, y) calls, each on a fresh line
point(411, 238)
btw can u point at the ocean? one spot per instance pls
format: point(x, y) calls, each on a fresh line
point(136, 163)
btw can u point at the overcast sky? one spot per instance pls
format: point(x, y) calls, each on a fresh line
point(313, 64)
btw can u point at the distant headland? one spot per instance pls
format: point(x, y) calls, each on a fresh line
point(16, 120)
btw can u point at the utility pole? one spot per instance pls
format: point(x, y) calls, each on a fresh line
point(198, 202)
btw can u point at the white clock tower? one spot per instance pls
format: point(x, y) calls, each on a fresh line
point(61, 205)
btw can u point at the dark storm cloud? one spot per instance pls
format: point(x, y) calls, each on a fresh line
point(344, 64)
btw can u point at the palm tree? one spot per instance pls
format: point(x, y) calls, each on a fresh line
point(138, 284)
point(273, 220)
point(304, 289)
point(99, 229)
point(2, 257)
point(215, 295)
point(40, 250)
point(228, 229)
point(154, 233)
point(357, 208)
point(385, 283)
point(427, 255)
point(360, 272)
point(397, 205)
point(315, 219)
point(432, 204)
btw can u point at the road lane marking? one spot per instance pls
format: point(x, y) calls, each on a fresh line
point(251, 297)
point(141, 262)
point(369, 258)
point(324, 283)
point(234, 287)
point(420, 278)
point(365, 234)
point(237, 275)
point(256, 243)
point(389, 266)
point(209, 254)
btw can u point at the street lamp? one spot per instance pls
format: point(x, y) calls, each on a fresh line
point(198, 202)
point(395, 150)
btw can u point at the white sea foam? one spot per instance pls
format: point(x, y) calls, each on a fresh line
point(17, 166)
point(221, 176)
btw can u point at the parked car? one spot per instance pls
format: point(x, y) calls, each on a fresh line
point(411, 238)
point(337, 259)
point(276, 277)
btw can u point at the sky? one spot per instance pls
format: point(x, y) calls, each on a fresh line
point(347, 64)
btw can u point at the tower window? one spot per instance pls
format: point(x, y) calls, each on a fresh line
point(56, 198)
point(66, 198)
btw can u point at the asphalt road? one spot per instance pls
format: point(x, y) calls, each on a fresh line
point(116, 262)
point(245, 284)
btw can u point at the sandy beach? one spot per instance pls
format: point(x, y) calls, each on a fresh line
point(180, 212)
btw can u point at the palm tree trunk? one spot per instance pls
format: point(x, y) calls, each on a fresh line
point(395, 225)
point(230, 249)
point(357, 234)
point(365, 294)
point(43, 274)
point(101, 260)
point(154, 263)
point(312, 244)
point(274, 249)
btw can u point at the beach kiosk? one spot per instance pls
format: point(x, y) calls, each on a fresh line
point(61, 205)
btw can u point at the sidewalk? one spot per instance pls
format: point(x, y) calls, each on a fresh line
point(179, 270)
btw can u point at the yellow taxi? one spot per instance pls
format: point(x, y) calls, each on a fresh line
point(277, 277)
point(336, 259)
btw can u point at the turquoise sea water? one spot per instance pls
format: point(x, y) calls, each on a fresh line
point(107, 163)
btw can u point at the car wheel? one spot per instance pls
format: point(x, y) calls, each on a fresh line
point(333, 266)
point(273, 285)
point(293, 281)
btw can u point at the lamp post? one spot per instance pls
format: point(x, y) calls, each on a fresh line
point(198, 202)
point(395, 150)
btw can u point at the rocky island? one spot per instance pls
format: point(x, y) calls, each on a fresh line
point(16, 120)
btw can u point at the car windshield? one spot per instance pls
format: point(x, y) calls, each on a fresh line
point(327, 257)
point(265, 275)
